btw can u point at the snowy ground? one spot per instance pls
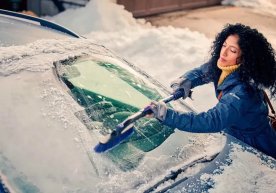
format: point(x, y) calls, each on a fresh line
point(267, 6)
point(164, 52)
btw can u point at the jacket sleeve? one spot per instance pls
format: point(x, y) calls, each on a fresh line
point(199, 76)
point(225, 114)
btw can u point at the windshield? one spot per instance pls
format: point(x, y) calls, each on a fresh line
point(109, 94)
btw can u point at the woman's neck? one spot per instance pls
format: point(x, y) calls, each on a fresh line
point(226, 70)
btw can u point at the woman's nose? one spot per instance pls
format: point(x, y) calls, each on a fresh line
point(224, 52)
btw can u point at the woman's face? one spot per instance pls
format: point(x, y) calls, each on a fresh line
point(230, 52)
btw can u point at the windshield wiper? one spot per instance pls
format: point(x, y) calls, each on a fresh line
point(175, 173)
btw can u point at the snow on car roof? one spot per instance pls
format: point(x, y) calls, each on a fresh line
point(18, 29)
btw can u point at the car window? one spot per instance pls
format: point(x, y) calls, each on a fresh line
point(109, 94)
point(19, 32)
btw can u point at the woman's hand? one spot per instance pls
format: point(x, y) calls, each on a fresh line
point(182, 84)
point(159, 110)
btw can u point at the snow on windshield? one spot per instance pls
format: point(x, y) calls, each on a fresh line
point(164, 53)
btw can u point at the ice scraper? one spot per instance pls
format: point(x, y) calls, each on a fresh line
point(125, 128)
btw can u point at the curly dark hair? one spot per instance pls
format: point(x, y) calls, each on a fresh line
point(258, 65)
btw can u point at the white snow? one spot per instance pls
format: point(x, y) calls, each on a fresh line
point(244, 173)
point(261, 6)
point(96, 16)
point(165, 53)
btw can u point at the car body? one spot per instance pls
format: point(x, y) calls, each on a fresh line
point(52, 118)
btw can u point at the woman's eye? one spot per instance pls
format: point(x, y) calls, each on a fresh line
point(233, 50)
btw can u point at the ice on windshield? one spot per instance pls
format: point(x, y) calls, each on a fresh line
point(109, 95)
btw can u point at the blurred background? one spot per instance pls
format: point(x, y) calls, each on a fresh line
point(139, 8)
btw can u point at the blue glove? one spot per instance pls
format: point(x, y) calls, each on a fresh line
point(182, 84)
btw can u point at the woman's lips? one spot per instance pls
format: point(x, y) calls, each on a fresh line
point(222, 59)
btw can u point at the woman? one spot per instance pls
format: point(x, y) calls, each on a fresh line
point(242, 63)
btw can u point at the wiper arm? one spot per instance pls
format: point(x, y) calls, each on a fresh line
point(175, 173)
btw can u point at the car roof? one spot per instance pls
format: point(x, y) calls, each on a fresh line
point(19, 29)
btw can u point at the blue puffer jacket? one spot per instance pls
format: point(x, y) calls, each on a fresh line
point(241, 112)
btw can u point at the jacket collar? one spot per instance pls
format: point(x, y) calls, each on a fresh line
point(231, 80)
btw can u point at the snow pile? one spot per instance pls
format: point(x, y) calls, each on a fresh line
point(267, 6)
point(96, 16)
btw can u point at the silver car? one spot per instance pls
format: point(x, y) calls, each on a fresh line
point(60, 92)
